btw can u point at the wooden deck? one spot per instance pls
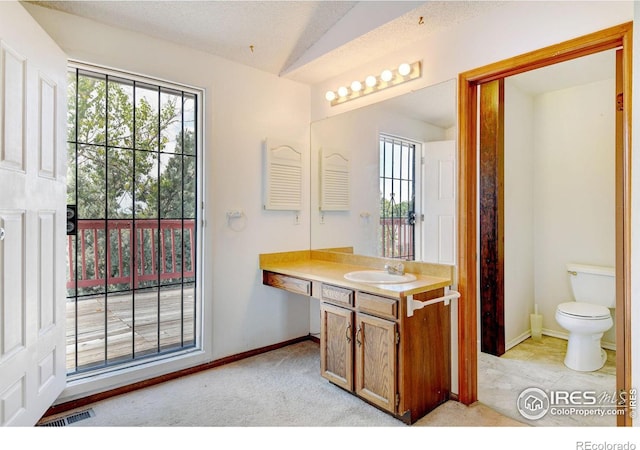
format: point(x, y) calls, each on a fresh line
point(107, 331)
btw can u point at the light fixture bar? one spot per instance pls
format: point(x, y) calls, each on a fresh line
point(388, 78)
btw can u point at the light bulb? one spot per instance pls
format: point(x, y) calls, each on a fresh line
point(342, 91)
point(386, 75)
point(370, 81)
point(356, 86)
point(404, 69)
point(330, 96)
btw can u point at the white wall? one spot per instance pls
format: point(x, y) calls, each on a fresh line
point(559, 197)
point(519, 291)
point(574, 178)
point(243, 106)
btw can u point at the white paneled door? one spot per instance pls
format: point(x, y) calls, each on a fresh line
point(32, 218)
point(439, 203)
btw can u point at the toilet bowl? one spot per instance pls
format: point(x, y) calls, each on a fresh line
point(587, 318)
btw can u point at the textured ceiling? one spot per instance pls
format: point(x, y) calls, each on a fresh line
point(307, 41)
point(311, 41)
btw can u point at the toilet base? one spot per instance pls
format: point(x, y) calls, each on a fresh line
point(584, 353)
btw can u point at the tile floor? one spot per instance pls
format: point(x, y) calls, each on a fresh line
point(540, 364)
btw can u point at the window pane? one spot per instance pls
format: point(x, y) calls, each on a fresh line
point(397, 160)
point(170, 317)
point(71, 266)
point(147, 256)
point(189, 126)
point(71, 174)
point(189, 237)
point(120, 123)
point(170, 186)
point(119, 327)
point(171, 251)
point(90, 339)
point(146, 185)
point(146, 322)
point(146, 117)
point(91, 107)
point(189, 314)
point(91, 182)
point(120, 257)
point(170, 121)
point(120, 174)
point(91, 256)
point(189, 196)
point(71, 106)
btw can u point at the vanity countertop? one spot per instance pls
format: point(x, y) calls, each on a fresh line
point(330, 267)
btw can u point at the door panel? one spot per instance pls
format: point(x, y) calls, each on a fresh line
point(336, 351)
point(13, 282)
point(439, 203)
point(13, 103)
point(32, 215)
point(376, 352)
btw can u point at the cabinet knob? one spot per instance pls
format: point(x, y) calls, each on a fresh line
point(348, 333)
point(358, 336)
point(2, 234)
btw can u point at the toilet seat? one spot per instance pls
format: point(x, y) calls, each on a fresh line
point(585, 311)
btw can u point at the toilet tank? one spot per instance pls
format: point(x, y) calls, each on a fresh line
point(593, 284)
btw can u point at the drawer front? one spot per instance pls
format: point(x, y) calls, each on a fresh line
point(376, 305)
point(292, 284)
point(334, 294)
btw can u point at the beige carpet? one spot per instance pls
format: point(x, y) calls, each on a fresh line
point(281, 388)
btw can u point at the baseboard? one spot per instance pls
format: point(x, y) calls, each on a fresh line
point(515, 341)
point(552, 333)
point(563, 335)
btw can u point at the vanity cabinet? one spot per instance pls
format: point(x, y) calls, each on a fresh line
point(388, 345)
point(358, 353)
point(362, 351)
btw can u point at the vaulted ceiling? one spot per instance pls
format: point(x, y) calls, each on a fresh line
point(306, 41)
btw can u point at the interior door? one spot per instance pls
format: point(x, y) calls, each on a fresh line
point(439, 204)
point(32, 218)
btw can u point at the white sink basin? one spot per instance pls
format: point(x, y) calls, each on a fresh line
point(378, 277)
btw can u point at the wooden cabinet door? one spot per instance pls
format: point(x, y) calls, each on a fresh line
point(336, 345)
point(375, 348)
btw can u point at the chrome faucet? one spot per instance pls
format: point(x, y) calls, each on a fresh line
point(395, 269)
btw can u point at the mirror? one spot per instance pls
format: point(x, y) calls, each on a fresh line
point(349, 158)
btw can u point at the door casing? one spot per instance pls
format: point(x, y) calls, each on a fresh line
point(618, 37)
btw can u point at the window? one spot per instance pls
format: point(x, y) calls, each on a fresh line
point(133, 152)
point(397, 198)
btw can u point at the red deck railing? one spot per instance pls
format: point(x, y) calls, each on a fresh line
point(176, 254)
point(397, 238)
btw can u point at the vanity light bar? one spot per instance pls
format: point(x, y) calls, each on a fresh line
point(405, 72)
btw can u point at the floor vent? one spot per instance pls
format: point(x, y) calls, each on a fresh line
point(68, 420)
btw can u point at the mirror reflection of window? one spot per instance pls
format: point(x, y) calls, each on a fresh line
point(397, 198)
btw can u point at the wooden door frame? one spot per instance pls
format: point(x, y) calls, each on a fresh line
point(611, 38)
point(491, 223)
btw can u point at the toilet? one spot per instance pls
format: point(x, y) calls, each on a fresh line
point(588, 317)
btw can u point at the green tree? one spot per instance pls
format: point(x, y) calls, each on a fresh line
point(111, 151)
point(176, 189)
